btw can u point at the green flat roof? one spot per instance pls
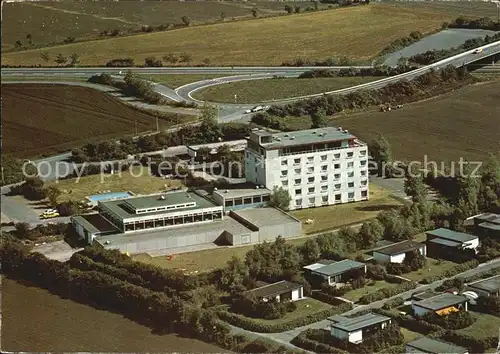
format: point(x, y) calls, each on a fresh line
point(451, 235)
point(441, 301)
point(338, 267)
point(428, 345)
point(152, 201)
point(490, 284)
point(355, 323)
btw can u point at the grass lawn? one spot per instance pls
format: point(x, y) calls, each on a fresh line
point(334, 216)
point(44, 78)
point(433, 267)
point(472, 9)
point(430, 128)
point(355, 294)
point(409, 335)
point(75, 189)
point(304, 308)
point(254, 91)
point(486, 325)
point(358, 32)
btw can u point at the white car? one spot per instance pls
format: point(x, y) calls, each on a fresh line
point(50, 211)
point(477, 51)
point(256, 109)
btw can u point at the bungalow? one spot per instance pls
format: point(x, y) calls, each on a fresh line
point(486, 287)
point(443, 241)
point(281, 291)
point(336, 272)
point(433, 346)
point(488, 225)
point(441, 304)
point(353, 329)
point(396, 252)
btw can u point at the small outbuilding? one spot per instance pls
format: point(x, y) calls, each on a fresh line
point(441, 304)
point(336, 272)
point(433, 346)
point(280, 291)
point(488, 225)
point(234, 199)
point(355, 328)
point(486, 287)
point(396, 252)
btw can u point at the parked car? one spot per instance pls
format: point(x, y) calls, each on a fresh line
point(477, 51)
point(50, 215)
point(256, 109)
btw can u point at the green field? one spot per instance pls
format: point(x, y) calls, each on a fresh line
point(51, 22)
point(335, 216)
point(177, 80)
point(33, 320)
point(473, 9)
point(255, 91)
point(359, 33)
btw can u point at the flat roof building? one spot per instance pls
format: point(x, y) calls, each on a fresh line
point(317, 166)
point(234, 145)
point(355, 328)
point(433, 346)
point(234, 199)
point(336, 272)
point(486, 287)
point(280, 291)
point(488, 225)
point(396, 252)
point(440, 304)
point(443, 242)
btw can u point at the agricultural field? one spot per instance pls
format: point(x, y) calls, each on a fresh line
point(255, 91)
point(475, 9)
point(462, 123)
point(177, 80)
point(358, 33)
point(51, 22)
point(43, 119)
point(33, 320)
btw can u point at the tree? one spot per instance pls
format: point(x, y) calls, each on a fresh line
point(18, 44)
point(297, 9)
point(52, 193)
point(380, 149)
point(68, 208)
point(185, 58)
point(350, 238)
point(415, 188)
point(233, 275)
point(310, 251)
point(254, 13)
point(467, 191)
point(29, 38)
point(489, 191)
point(318, 118)
point(74, 59)
point(69, 39)
point(60, 59)
point(45, 56)
point(222, 16)
point(22, 230)
point(289, 9)
point(280, 198)
point(186, 20)
point(209, 126)
point(316, 5)
point(170, 58)
point(206, 61)
point(152, 62)
point(370, 233)
point(414, 260)
point(33, 189)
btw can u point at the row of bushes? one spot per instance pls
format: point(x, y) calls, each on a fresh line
point(413, 324)
point(403, 91)
point(387, 293)
point(485, 23)
point(393, 303)
point(303, 341)
point(432, 56)
point(474, 344)
point(325, 297)
point(259, 326)
point(382, 70)
point(460, 268)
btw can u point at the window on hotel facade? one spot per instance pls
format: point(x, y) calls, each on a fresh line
point(363, 173)
point(362, 162)
point(284, 183)
point(310, 159)
point(284, 173)
point(350, 185)
point(336, 166)
point(336, 156)
point(311, 190)
point(296, 161)
point(298, 202)
point(323, 157)
point(364, 194)
point(298, 171)
point(336, 176)
point(350, 195)
point(298, 182)
point(338, 186)
point(310, 170)
point(362, 153)
point(298, 191)
point(324, 168)
point(350, 164)
point(324, 178)
point(312, 200)
point(324, 188)
point(338, 197)
point(364, 183)
point(284, 163)
point(350, 174)
point(324, 199)
point(310, 180)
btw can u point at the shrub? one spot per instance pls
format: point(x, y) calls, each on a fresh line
point(122, 62)
point(455, 320)
point(258, 326)
point(393, 303)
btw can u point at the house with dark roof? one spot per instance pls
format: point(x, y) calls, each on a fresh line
point(433, 346)
point(336, 272)
point(396, 252)
point(487, 225)
point(441, 304)
point(355, 328)
point(443, 241)
point(486, 287)
point(280, 291)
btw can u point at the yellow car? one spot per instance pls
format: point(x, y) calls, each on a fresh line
point(49, 215)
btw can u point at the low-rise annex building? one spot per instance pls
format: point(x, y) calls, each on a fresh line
point(441, 304)
point(280, 291)
point(433, 346)
point(354, 329)
point(336, 272)
point(396, 252)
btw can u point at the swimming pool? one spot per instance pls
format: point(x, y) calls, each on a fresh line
point(108, 196)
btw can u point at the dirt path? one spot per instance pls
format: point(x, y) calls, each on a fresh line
point(85, 14)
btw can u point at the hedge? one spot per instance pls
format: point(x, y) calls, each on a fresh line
point(393, 303)
point(303, 342)
point(259, 326)
point(474, 345)
point(387, 293)
point(324, 297)
point(411, 323)
point(460, 268)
